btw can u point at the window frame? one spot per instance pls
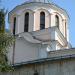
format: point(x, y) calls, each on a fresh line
point(26, 22)
point(42, 20)
point(57, 20)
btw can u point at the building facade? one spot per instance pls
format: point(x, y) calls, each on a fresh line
point(39, 27)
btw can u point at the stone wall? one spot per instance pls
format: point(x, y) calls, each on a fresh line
point(53, 67)
point(60, 62)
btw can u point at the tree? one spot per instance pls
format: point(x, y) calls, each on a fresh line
point(2, 21)
point(6, 40)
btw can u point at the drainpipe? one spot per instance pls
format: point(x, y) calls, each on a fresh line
point(13, 55)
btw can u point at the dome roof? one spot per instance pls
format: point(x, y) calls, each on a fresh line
point(35, 3)
point(44, 1)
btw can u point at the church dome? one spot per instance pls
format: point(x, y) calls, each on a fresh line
point(35, 7)
point(39, 20)
point(43, 1)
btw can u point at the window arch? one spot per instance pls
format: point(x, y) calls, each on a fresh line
point(57, 20)
point(14, 26)
point(26, 25)
point(42, 20)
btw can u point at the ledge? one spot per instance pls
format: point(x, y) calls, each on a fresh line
point(62, 52)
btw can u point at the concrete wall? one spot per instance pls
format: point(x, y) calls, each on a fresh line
point(24, 51)
point(57, 67)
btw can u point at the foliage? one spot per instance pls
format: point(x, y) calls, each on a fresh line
point(2, 21)
point(6, 40)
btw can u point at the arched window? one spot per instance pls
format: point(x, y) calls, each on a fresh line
point(14, 25)
point(42, 20)
point(57, 20)
point(26, 22)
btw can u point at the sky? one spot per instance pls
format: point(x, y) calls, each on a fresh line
point(68, 5)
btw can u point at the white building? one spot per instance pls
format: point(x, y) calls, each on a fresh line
point(39, 27)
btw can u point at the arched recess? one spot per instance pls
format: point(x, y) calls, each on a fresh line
point(37, 18)
point(42, 9)
point(57, 20)
point(30, 20)
point(42, 20)
point(56, 13)
point(62, 23)
point(26, 22)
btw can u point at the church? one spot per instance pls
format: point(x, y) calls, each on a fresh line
point(39, 27)
point(42, 38)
